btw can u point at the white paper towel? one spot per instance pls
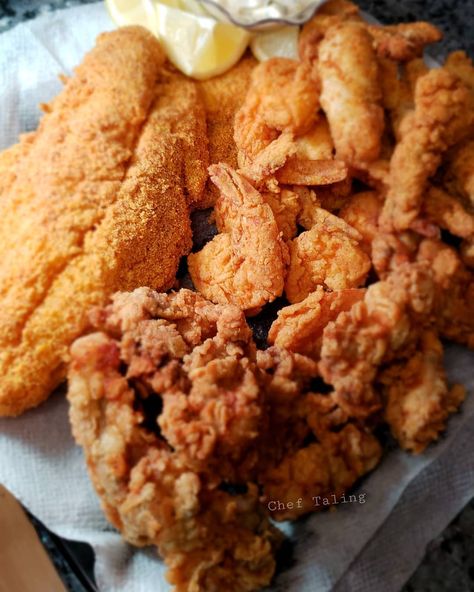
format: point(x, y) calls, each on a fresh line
point(366, 547)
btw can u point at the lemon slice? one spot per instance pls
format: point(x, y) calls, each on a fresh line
point(130, 12)
point(198, 45)
point(281, 43)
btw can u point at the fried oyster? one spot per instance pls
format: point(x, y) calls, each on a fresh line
point(165, 401)
point(177, 413)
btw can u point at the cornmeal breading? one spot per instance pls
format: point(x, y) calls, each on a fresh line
point(222, 97)
point(98, 195)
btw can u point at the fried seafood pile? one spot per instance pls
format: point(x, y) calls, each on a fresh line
point(346, 200)
point(177, 413)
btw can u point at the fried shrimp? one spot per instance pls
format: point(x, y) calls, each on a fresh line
point(299, 327)
point(327, 255)
point(281, 104)
point(245, 264)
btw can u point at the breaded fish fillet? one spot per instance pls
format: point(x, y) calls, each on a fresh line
point(222, 97)
point(182, 114)
point(95, 204)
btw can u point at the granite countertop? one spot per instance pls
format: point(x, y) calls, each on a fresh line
point(448, 565)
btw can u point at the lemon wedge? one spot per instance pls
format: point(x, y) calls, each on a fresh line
point(281, 43)
point(130, 12)
point(197, 44)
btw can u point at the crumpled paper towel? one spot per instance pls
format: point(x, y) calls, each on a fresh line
point(360, 547)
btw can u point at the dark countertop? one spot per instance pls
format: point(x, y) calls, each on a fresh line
point(448, 565)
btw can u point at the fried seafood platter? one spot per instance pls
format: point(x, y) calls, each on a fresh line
point(248, 281)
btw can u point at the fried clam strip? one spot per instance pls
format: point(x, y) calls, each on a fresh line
point(459, 63)
point(448, 213)
point(401, 42)
point(327, 255)
point(443, 115)
point(281, 103)
point(454, 306)
point(418, 399)
point(324, 455)
point(384, 326)
point(299, 327)
point(455, 294)
point(245, 264)
point(98, 195)
point(398, 89)
point(122, 384)
point(405, 41)
point(351, 94)
point(222, 97)
point(390, 250)
point(331, 13)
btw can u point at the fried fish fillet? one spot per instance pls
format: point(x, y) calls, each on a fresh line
point(222, 97)
point(182, 114)
point(95, 202)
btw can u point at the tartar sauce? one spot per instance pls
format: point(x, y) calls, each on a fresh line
point(250, 12)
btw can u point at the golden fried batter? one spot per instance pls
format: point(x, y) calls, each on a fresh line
point(448, 212)
point(405, 41)
point(97, 196)
point(222, 97)
point(299, 327)
point(351, 94)
point(362, 212)
point(327, 255)
point(182, 115)
point(245, 265)
point(419, 400)
point(460, 64)
point(282, 103)
point(299, 471)
point(459, 176)
point(181, 363)
point(385, 324)
point(443, 116)
point(286, 208)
